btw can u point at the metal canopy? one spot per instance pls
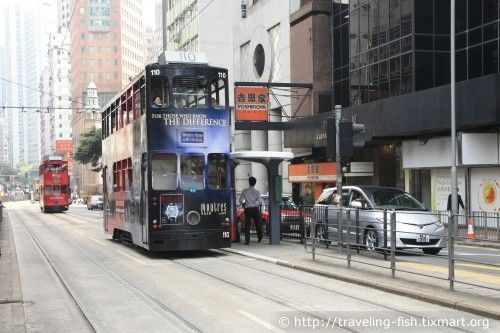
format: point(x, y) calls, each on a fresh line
point(271, 160)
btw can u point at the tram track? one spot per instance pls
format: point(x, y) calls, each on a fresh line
point(276, 299)
point(261, 293)
point(335, 292)
point(56, 272)
point(150, 299)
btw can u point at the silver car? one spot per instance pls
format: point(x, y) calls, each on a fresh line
point(416, 227)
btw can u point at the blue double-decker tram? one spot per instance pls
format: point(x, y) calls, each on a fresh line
point(165, 153)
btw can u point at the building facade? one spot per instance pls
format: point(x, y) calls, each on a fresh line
point(261, 49)
point(391, 71)
point(107, 49)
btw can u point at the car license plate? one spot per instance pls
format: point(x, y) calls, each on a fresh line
point(294, 227)
point(423, 238)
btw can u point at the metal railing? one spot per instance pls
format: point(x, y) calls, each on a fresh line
point(391, 233)
point(486, 224)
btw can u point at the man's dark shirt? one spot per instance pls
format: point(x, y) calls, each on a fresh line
point(460, 202)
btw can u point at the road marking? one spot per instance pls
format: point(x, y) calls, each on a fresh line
point(480, 266)
point(97, 241)
point(259, 321)
point(132, 258)
point(78, 232)
point(444, 270)
point(477, 254)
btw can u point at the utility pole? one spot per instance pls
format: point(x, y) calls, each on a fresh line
point(338, 118)
point(454, 182)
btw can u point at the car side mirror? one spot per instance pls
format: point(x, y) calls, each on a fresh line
point(356, 204)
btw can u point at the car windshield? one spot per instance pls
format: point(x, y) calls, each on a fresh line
point(393, 199)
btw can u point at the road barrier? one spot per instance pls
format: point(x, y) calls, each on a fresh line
point(341, 233)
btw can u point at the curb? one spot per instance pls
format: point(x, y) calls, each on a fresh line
point(411, 293)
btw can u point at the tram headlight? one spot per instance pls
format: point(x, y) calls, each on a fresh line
point(193, 217)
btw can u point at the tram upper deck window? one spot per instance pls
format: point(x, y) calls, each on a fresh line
point(217, 171)
point(159, 92)
point(190, 91)
point(192, 172)
point(54, 168)
point(218, 93)
point(164, 172)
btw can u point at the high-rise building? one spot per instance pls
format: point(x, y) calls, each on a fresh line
point(55, 104)
point(107, 48)
point(24, 34)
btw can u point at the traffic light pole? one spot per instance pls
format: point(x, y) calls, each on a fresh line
point(338, 118)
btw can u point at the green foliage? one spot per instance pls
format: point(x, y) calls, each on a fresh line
point(90, 150)
point(23, 169)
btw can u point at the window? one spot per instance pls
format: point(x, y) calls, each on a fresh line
point(160, 92)
point(192, 172)
point(217, 171)
point(218, 93)
point(190, 91)
point(122, 175)
point(164, 172)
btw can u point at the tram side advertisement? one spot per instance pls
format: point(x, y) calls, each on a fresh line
point(172, 209)
point(190, 129)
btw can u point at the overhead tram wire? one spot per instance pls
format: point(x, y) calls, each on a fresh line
point(69, 22)
point(47, 109)
point(37, 90)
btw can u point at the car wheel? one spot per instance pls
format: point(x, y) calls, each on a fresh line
point(432, 250)
point(321, 233)
point(370, 240)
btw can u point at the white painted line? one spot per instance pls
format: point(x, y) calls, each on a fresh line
point(78, 232)
point(477, 254)
point(132, 258)
point(259, 321)
point(97, 241)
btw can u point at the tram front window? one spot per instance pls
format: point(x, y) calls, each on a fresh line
point(217, 167)
point(190, 91)
point(192, 172)
point(164, 172)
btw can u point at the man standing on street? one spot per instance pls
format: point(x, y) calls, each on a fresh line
point(250, 199)
point(459, 201)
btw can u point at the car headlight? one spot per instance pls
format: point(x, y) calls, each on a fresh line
point(438, 223)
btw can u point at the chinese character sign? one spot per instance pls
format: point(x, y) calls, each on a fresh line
point(251, 103)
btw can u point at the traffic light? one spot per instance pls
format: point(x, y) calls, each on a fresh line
point(348, 130)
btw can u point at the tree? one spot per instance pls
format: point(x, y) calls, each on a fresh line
point(24, 168)
point(89, 150)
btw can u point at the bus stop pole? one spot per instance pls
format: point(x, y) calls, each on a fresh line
point(274, 213)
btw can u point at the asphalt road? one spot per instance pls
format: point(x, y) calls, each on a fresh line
point(73, 278)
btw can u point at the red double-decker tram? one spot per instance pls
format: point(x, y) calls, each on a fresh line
point(54, 192)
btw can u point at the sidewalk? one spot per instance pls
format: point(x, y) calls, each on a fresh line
point(11, 303)
point(292, 254)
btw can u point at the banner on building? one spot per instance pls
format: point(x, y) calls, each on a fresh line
point(65, 147)
point(312, 172)
point(252, 103)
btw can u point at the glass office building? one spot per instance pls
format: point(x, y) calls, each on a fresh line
point(387, 48)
